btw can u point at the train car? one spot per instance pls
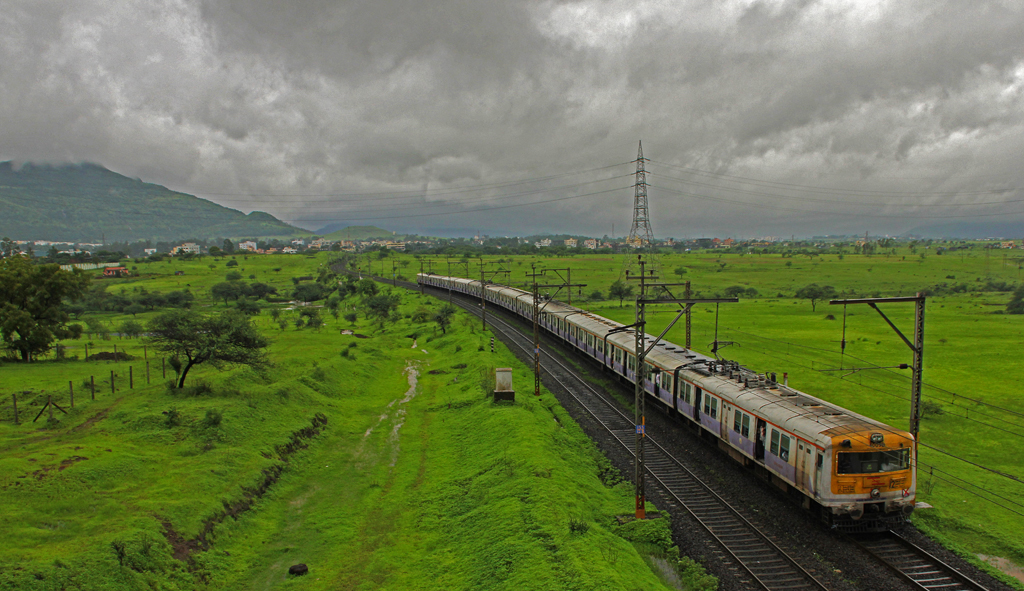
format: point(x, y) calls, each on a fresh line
point(858, 473)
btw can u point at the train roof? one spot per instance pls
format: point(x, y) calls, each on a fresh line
point(791, 409)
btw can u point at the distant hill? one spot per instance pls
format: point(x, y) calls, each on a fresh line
point(333, 232)
point(87, 202)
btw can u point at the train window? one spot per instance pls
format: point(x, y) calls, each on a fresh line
point(746, 426)
point(775, 443)
point(666, 381)
point(689, 393)
point(784, 448)
point(714, 408)
point(737, 421)
point(871, 462)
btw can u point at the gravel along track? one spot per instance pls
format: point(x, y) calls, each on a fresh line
point(682, 463)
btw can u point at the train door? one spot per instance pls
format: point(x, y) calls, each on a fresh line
point(801, 465)
point(759, 441)
point(816, 481)
point(696, 405)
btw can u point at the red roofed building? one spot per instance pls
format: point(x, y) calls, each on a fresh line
point(115, 272)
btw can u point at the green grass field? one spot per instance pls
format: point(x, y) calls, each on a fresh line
point(970, 358)
point(417, 480)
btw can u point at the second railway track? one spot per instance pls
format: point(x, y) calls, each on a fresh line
point(749, 553)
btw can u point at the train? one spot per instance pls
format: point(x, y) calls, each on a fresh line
point(856, 473)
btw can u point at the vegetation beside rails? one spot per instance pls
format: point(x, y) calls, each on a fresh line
point(970, 402)
point(368, 450)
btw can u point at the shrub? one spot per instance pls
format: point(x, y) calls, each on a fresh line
point(578, 526)
point(173, 418)
point(213, 417)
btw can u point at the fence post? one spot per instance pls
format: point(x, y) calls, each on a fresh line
point(131, 379)
point(112, 381)
point(163, 366)
point(14, 397)
point(147, 373)
point(92, 386)
point(145, 352)
point(71, 392)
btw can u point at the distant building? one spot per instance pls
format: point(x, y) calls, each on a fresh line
point(320, 243)
point(590, 243)
point(571, 243)
point(543, 243)
point(186, 248)
point(249, 245)
point(298, 242)
point(115, 272)
point(289, 250)
point(1007, 244)
point(149, 251)
point(394, 245)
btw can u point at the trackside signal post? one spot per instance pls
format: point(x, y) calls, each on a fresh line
point(917, 346)
point(538, 309)
point(641, 349)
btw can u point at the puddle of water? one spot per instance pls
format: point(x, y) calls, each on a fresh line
point(400, 414)
point(1005, 565)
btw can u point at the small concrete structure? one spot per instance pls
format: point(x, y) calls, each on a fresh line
point(503, 384)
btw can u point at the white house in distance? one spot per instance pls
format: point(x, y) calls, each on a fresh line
point(298, 242)
point(570, 243)
point(186, 248)
point(590, 243)
point(249, 245)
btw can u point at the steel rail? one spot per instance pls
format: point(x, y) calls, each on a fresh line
point(916, 565)
point(768, 565)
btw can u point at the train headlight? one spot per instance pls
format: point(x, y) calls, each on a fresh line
point(875, 493)
point(877, 439)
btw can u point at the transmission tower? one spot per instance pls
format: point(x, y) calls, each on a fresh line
point(641, 236)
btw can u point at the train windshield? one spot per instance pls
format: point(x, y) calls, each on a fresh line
point(872, 462)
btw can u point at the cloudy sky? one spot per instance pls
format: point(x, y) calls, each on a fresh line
point(511, 117)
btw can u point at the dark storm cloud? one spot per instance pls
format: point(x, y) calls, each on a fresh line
point(227, 98)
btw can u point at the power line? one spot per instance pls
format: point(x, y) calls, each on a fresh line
point(831, 189)
point(834, 202)
point(832, 213)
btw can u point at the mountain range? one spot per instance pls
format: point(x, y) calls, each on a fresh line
point(88, 203)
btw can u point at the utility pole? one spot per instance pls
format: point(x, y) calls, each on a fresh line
point(538, 309)
point(917, 347)
point(641, 348)
point(483, 290)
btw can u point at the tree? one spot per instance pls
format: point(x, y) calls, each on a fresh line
point(620, 291)
point(680, 271)
point(233, 276)
point(231, 263)
point(308, 292)
point(815, 292)
point(735, 291)
point(228, 247)
point(227, 338)
point(8, 248)
point(248, 307)
point(131, 329)
point(366, 288)
point(134, 309)
point(260, 291)
point(382, 307)
point(443, 317)
point(32, 315)
point(227, 290)
point(1016, 303)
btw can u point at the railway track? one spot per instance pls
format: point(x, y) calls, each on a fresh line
point(915, 565)
point(754, 558)
point(751, 554)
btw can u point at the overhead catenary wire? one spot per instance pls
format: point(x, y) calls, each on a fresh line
point(812, 188)
point(828, 213)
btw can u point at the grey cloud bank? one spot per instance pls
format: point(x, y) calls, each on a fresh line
point(410, 115)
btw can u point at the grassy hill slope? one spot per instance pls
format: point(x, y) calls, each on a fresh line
point(87, 202)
